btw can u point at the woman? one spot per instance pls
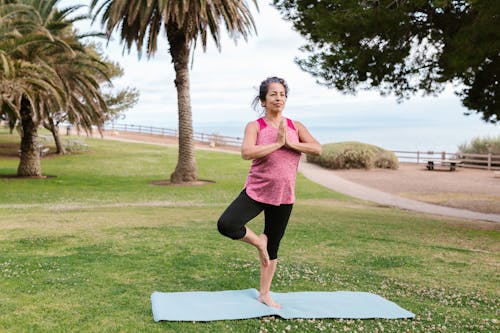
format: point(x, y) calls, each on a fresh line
point(274, 144)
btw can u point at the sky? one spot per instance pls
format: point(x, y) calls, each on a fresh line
point(223, 85)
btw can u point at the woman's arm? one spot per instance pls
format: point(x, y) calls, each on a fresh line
point(307, 143)
point(250, 150)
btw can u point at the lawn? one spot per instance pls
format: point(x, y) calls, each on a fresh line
point(83, 250)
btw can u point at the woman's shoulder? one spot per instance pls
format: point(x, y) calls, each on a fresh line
point(295, 121)
point(252, 125)
point(297, 124)
point(257, 124)
point(254, 122)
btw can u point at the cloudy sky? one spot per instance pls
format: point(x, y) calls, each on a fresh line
point(224, 83)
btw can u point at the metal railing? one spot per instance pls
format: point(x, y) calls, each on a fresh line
point(210, 139)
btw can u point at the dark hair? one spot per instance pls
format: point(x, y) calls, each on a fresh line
point(264, 88)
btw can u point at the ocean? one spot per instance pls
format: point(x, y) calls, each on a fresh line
point(403, 137)
point(421, 139)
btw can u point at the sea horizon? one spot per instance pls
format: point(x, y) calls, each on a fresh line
point(421, 138)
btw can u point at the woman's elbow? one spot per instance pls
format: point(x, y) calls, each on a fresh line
point(245, 155)
point(319, 150)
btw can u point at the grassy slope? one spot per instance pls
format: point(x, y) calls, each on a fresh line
point(84, 250)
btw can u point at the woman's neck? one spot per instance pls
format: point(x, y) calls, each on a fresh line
point(274, 119)
point(274, 116)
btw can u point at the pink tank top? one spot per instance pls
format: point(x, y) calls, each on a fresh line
point(271, 179)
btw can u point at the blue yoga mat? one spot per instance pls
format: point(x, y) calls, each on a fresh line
point(243, 304)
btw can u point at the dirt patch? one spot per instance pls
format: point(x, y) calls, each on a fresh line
point(472, 189)
point(472, 201)
point(149, 138)
point(164, 140)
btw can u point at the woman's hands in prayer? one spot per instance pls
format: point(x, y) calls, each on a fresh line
point(281, 139)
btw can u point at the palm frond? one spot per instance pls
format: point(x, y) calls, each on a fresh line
point(44, 63)
point(140, 21)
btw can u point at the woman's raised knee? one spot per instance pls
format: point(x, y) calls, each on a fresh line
point(226, 228)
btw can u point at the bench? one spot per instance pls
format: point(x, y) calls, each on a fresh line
point(42, 150)
point(451, 164)
point(45, 138)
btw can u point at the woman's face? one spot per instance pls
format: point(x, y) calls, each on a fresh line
point(275, 98)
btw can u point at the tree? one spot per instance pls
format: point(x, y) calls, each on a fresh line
point(89, 64)
point(403, 47)
point(82, 75)
point(184, 23)
point(120, 101)
point(45, 68)
point(28, 89)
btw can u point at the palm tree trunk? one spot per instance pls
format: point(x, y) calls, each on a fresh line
point(29, 165)
point(12, 124)
point(51, 126)
point(186, 170)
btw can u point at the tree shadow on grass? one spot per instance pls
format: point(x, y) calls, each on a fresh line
point(199, 182)
point(14, 176)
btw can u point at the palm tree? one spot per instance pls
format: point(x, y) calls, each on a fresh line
point(53, 71)
point(82, 78)
point(27, 89)
point(86, 107)
point(184, 21)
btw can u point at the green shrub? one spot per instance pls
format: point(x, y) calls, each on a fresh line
point(481, 146)
point(354, 155)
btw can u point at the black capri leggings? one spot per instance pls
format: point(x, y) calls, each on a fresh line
point(243, 209)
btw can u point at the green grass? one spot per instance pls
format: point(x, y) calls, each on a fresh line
point(84, 250)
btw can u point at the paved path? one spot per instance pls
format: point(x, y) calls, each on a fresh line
point(329, 179)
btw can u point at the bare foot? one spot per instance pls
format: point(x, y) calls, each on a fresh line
point(267, 300)
point(263, 255)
